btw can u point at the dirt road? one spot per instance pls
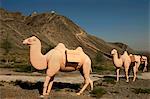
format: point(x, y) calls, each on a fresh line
point(63, 77)
point(67, 84)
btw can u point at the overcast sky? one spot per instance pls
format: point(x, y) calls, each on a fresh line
point(124, 21)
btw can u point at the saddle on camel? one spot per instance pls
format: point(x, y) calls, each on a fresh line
point(72, 58)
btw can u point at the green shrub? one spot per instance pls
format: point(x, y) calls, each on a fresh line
point(105, 67)
point(57, 89)
point(98, 92)
point(25, 68)
point(98, 68)
point(109, 80)
point(99, 57)
point(140, 90)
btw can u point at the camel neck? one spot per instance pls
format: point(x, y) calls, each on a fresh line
point(35, 50)
point(117, 61)
point(38, 60)
point(115, 56)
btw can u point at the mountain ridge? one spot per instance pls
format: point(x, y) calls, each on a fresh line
point(51, 29)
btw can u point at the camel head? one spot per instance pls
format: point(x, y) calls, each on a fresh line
point(114, 51)
point(144, 59)
point(31, 40)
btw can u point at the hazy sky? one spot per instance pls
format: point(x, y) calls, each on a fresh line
point(124, 21)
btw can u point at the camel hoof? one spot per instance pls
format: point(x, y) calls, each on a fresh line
point(45, 94)
point(116, 81)
point(78, 93)
point(41, 96)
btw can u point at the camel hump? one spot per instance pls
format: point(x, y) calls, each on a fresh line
point(79, 49)
point(125, 53)
point(60, 46)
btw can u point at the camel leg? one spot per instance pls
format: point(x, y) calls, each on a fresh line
point(118, 69)
point(145, 66)
point(90, 81)
point(87, 82)
point(145, 69)
point(135, 72)
point(126, 71)
point(51, 71)
point(47, 79)
point(137, 66)
point(91, 84)
point(86, 75)
point(50, 85)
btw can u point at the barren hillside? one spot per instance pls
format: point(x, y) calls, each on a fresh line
point(51, 29)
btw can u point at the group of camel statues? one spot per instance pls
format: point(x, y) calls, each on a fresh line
point(62, 59)
point(125, 61)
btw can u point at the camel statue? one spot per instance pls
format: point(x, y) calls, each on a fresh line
point(59, 59)
point(118, 62)
point(144, 61)
point(126, 61)
point(137, 59)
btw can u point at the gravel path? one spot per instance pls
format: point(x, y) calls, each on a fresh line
point(71, 80)
point(66, 78)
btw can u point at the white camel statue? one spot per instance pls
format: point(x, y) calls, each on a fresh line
point(137, 59)
point(145, 62)
point(56, 61)
point(119, 62)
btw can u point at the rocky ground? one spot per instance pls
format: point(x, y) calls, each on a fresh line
point(104, 88)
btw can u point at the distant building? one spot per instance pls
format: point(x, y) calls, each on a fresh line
point(33, 14)
point(53, 12)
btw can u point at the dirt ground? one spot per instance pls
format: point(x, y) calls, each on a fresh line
point(140, 89)
point(26, 90)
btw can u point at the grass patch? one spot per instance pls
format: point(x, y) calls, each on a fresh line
point(57, 89)
point(24, 68)
point(116, 92)
point(104, 66)
point(140, 90)
point(98, 92)
point(109, 80)
point(98, 68)
point(4, 65)
point(28, 68)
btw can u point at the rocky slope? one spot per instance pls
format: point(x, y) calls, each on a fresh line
point(51, 29)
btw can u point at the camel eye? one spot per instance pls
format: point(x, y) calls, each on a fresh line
point(29, 40)
point(34, 39)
